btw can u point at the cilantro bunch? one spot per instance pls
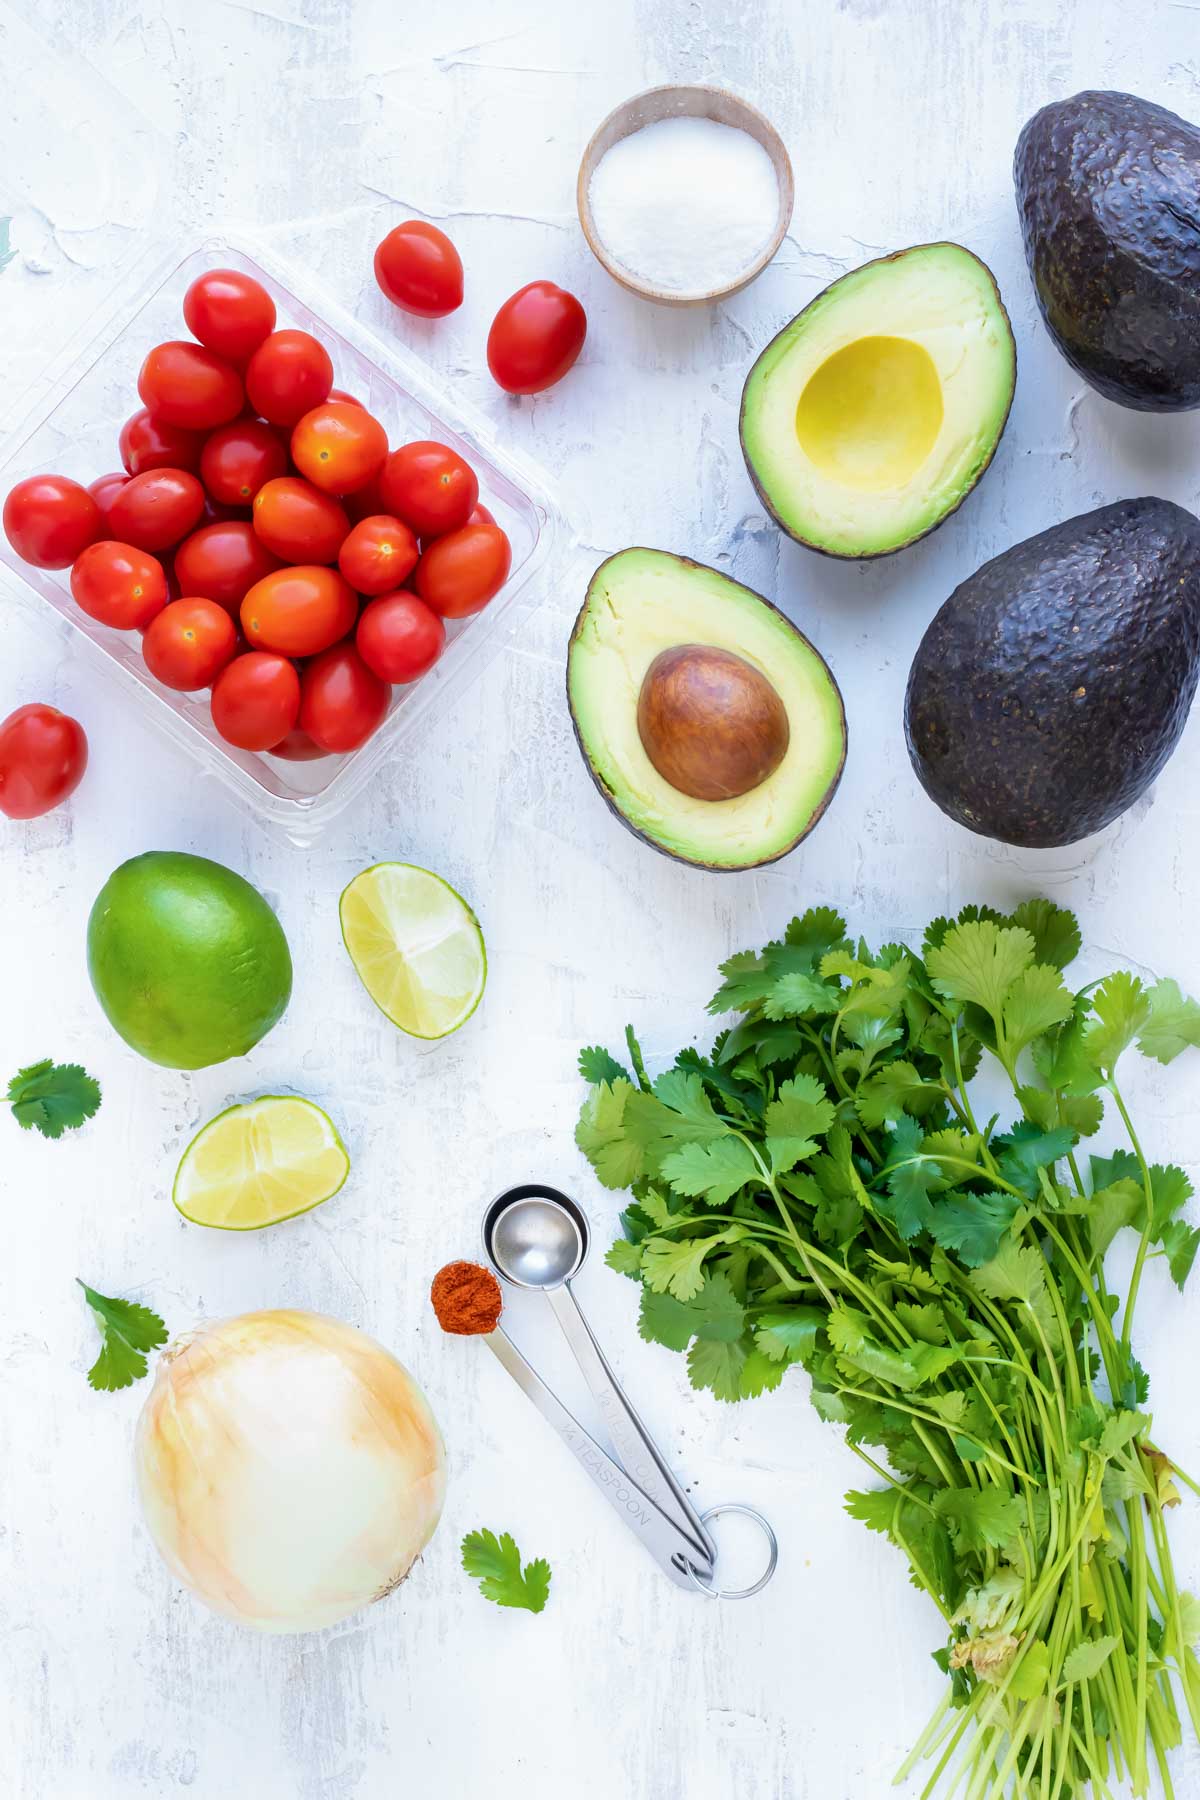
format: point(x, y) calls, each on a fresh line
point(820, 1190)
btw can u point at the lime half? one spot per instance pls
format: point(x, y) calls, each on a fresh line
point(417, 947)
point(260, 1162)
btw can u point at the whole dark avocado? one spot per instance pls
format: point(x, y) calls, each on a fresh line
point(1054, 683)
point(1108, 189)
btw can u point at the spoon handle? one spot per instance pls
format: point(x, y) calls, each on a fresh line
point(634, 1445)
point(665, 1540)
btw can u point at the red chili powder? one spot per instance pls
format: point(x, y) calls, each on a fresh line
point(466, 1299)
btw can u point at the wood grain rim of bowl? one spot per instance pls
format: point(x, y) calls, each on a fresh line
point(673, 102)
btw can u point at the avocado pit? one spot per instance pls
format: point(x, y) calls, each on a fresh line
point(711, 723)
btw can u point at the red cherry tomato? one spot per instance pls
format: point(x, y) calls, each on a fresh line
point(185, 384)
point(222, 562)
point(43, 754)
point(118, 584)
point(49, 519)
point(378, 555)
point(299, 611)
point(287, 376)
point(429, 486)
point(342, 701)
point(344, 399)
point(255, 700)
point(188, 644)
point(230, 312)
point(149, 443)
point(481, 516)
point(297, 746)
point(298, 522)
point(535, 338)
point(460, 573)
point(419, 269)
point(156, 509)
point(399, 637)
point(104, 490)
point(339, 448)
point(237, 460)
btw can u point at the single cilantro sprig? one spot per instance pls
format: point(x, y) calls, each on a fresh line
point(495, 1562)
point(53, 1097)
point(127, 1332)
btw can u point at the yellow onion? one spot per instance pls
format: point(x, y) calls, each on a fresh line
point(289, 1468)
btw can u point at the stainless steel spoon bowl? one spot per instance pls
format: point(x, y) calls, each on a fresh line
point(535, 1237)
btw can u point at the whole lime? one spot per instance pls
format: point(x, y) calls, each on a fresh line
point(187, 959)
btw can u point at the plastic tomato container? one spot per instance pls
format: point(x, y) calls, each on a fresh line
point(74, 428)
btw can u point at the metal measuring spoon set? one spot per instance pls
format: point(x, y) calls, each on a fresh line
point(536, 1238)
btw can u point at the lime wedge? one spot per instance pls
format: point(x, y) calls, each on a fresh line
point(260, 1162)
point(416, 946)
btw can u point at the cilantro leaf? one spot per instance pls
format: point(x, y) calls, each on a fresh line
point(1017, 1273)
point(972, 1224)
point(746, 985)
point(1122, 1008)
point(1086, 1660)
point(895, 1089)
point(911, 1179)
point(1055, 932)
point(1173, 1025)
point(978, 962)
point(716, 1170)
point(676, 1265)
point(718, 1367)
point(798, 994)
point(596, 1065)
point(127, 1332)
point(714, 1312)
point(979, 1518)
point(601, 1135)
point(875, 1508)
point(53, 1097)
point(790, 1334)
point(1180, 1242)
point(1026, 1150)
point(495, 1563)
point(1036, 1001)
point(799, 1115)
point(625, 1258)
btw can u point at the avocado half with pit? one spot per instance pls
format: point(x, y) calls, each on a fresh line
point(1108, 189)
point(870, 417)
point(1055, 682)
point(711, 726)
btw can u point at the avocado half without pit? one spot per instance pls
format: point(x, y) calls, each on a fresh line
point(870, 417)
point(709, 723)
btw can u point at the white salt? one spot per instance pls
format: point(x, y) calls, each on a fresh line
point(684, 204)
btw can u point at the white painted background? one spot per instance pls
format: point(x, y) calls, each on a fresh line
point(318, 124)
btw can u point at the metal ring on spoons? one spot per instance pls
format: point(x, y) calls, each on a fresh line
point(748, 1512)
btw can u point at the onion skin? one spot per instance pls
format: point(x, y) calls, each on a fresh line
point(289, 1468)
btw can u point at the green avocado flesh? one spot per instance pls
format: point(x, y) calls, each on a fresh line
point(874, 413)
point(642, 602)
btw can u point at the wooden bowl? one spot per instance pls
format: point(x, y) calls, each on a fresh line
point(674, 103)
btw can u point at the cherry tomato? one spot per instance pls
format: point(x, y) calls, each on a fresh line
point(255, 700)
point(419, 269)
point(49, 519)
point(429, 486)
point(287, 376)
point(298, 522)
point(185, 384)
point(229, 312)
point(299, 611)
point(378, 555)
point(223, 562)
point(104, 490)
point(366, 503)
point(399, 637)
point(481, 516)
point(156, 509)
point(460, 573)
point(535, 338)
point(149, 443)
point(342, 701)
point(340, 448)
point(237, 460)
point(297, 746)
point(118, 584)
point(344, 399)
point(188, 644)
point(43, 754)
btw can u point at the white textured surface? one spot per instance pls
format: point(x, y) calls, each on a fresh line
point(320, 123)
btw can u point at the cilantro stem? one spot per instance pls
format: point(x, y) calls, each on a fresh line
point(943, 1425)
point(1135, 1280)
point(635, 1057)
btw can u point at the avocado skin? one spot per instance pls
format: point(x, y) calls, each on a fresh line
point(1108, 189)
point(610, 799)
point(1054, 683)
